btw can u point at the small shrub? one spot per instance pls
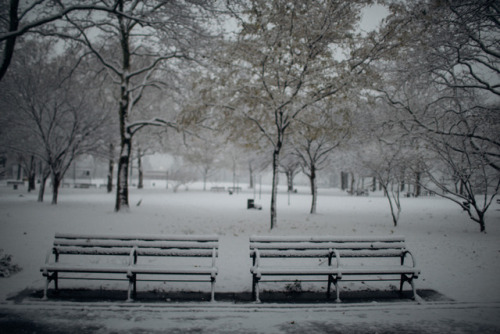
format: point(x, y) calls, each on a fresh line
point(6, 266)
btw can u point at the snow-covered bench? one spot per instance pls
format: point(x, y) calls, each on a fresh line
point(133, 258)
point(331, 259)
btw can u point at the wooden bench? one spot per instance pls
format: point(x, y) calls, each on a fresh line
point(131, 257)
point(15, 183)
point(84, 185)
point(331, 259)
point(217, 189)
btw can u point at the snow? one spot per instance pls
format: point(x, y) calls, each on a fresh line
point(455, 259)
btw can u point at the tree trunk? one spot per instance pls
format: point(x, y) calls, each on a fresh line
point(32, 175)
point(344, 180)
point(122, 175)
point(274, 192)
point(481, 221)
point(250, 171)
point(314, 189)
point(418, 188)
point(123, 113)
point(140, 183)
point(43, 182)
point(56, 181)
point(395, 215)
point(8, 49)
point(289, 180)
point(110, 168)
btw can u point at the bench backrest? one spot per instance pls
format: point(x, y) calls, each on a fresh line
point(146, 245)
point(322, 246)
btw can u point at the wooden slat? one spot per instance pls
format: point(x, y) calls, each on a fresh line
point(173, 270)
point(137, 243)
point(65, 267)
point(390, 238)
point(291, 253)
point(140, 251)
point(285, 271)
point(324, 253)
point(326, 245)
point(151, 237)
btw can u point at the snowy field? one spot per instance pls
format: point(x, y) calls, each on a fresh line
point(456, 260)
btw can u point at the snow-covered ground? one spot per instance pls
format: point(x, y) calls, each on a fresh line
point(456, 260)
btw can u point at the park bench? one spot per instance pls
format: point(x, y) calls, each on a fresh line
point(217, 189)
point(330, 259)
point(133, 258)
point(84, 185)
point(15, 183)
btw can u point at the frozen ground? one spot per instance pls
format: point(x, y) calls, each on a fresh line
point(456, 261)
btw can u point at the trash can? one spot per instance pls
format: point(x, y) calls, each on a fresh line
point(250, 203)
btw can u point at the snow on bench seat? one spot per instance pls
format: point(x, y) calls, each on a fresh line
point(342, 258)
point(132, 256)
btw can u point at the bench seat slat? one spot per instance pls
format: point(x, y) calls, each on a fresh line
point(273, 270)
point(326, 253)
point(65, 267)
point(135, 269)
point(378, 270)
point(291, 253)
point(174, 270)
point(75, 250)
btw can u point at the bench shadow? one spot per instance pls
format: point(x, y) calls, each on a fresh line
point(155, 296)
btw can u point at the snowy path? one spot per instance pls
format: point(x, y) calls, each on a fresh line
point(250, 318)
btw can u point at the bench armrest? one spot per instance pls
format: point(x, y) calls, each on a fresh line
point(256, 257)
point(413, 260)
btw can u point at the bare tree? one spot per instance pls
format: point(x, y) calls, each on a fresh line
point(134, 41)
point(18, 18)
point(444, 90)
point(46, 106)
point(315, 137)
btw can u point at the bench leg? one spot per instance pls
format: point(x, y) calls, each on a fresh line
point(132, 288)
point(50, 277)
point(212, 294)
point(410, 280)
point(47, 281)
point(255, 289)
point(334, 280)
point(55, 277)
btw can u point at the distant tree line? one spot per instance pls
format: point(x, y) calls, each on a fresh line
point(288, 86)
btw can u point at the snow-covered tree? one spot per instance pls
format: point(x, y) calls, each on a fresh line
point(288, 56)
point(18, 18)
point(47, 110)
point(315, 137)
point(444, 89)
point(135, 41)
